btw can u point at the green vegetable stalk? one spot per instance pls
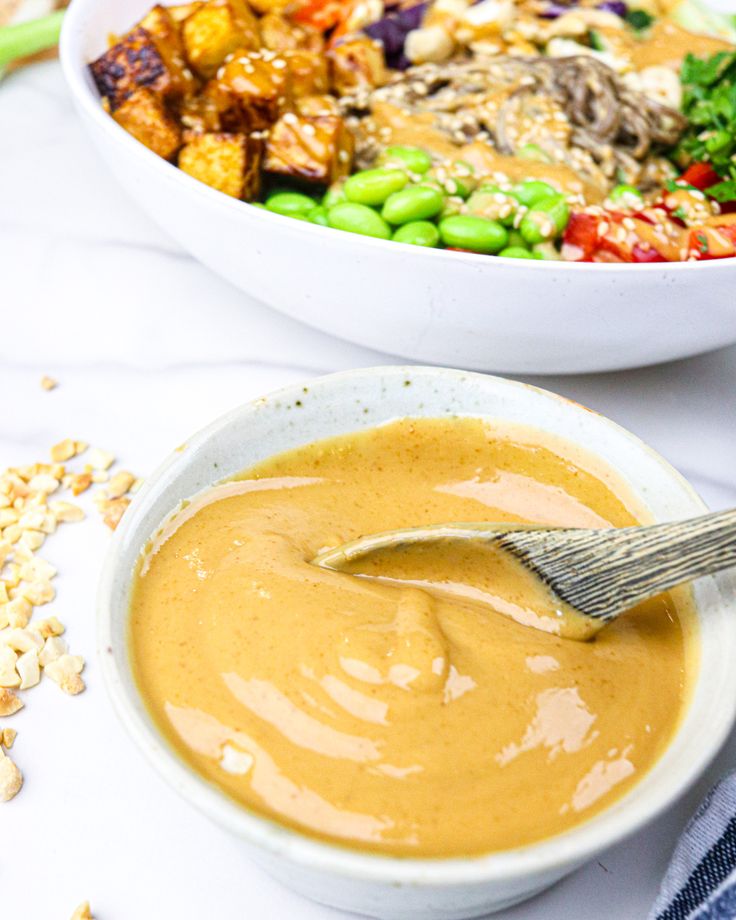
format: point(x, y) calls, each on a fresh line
point(24, 38)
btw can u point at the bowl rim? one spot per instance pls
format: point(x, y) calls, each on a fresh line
point(74, 67)
point(550, 855)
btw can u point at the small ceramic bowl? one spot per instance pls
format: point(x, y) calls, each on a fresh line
point(513, 315)
point(399, 888)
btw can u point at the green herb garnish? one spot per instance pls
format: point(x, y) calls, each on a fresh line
point(709, 103)
point(639, 19)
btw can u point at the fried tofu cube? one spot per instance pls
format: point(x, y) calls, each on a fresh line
point(229, 163)
point(183, 11)
point(278, 34)
point(271, 6)
point(164, 30)
point(201, 114)
point(133, 62)
point(317, 105)
point(357, 62)
point(312, 148)
point(258, 89)
point(144, 115)
point(308, 70)
point(217, 29)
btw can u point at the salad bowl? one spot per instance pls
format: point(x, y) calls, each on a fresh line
point(438, 306)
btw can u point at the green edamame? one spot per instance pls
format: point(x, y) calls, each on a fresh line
point(334, 195)
point(533, 152)
point(358, 218)
point(418, 233)
point(290, 204)
point(463, 231)
point(418, 202)
point(373, 186)
point(627, 196)
point(516, 240)
point(318, 216)
point(546, 220)
point(493, 203)
point(414, 159)
point(532, 191)
point(546, 251)
point(516, 252)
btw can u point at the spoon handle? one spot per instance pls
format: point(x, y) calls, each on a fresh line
point(602, 572)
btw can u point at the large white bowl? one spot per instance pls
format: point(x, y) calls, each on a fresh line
point(409, 889)
point(445, 307)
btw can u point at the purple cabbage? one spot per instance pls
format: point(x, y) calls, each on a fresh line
point(617, 7)
point(392, 30)
point(553, 10)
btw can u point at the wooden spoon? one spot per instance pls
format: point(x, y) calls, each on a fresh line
point(593, 576)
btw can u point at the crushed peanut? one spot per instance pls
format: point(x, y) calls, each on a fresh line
point(11, 779)
point(83, 912)
point(10, 702)
point(48, 383)
point(7, 737)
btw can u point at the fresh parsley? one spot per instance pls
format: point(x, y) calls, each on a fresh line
point(639, 19)
point(709, 103)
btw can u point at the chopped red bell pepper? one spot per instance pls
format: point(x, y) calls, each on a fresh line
point(700, 175)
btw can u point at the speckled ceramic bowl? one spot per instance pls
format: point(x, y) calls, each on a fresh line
point(381, 886)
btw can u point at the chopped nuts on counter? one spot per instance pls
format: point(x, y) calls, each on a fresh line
point(31, 649)
point(83, 912)
point(11, 779)
point(48, 383)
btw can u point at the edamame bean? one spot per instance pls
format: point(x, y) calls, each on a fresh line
point(533, 152)
point(318, 215)
point(418, 202)
point(463, 231)
point(516, 252)
point(516, 240)
point(492, 202)
point(418, 233)
point(531, 191)
point(627, 196)
point(546, 220)
point(414, 159)
point(546, 251)
point(290, 204)
point(358, 218)
point(334, 195)
point(373, 186)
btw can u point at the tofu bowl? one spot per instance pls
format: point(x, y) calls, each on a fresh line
point(434, 305)
point(351, 878)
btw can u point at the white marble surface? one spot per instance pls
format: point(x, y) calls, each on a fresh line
point(148, 346)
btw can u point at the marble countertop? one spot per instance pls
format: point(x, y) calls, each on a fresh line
point(148, 346)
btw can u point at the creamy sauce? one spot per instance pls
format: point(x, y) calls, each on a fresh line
point(417, 129)
point(413, 717)
point(667, 44)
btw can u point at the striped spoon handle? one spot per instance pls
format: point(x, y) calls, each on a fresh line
point(604, 572)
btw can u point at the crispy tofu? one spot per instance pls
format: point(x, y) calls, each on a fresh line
point(311, 148)
point(258, 90)
point(144, 115)
point(229, 163)
point(132, 63)
point(278, 34)
point(271, 6)
point(184, 10)
point(164, 30)
point(308, 70)
point(317, 105)
point(215, 30)
point(201, 114)
point(357, 62)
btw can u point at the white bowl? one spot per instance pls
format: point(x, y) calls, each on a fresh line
point(443, 307)
point(380, 886)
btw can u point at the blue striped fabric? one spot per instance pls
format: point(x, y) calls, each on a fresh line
point(700, 883)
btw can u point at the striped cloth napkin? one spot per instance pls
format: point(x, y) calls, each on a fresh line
point(700, 883)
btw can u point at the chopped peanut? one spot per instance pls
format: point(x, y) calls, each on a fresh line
point(48, 383)
point(11, 779)
point(10, 702)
